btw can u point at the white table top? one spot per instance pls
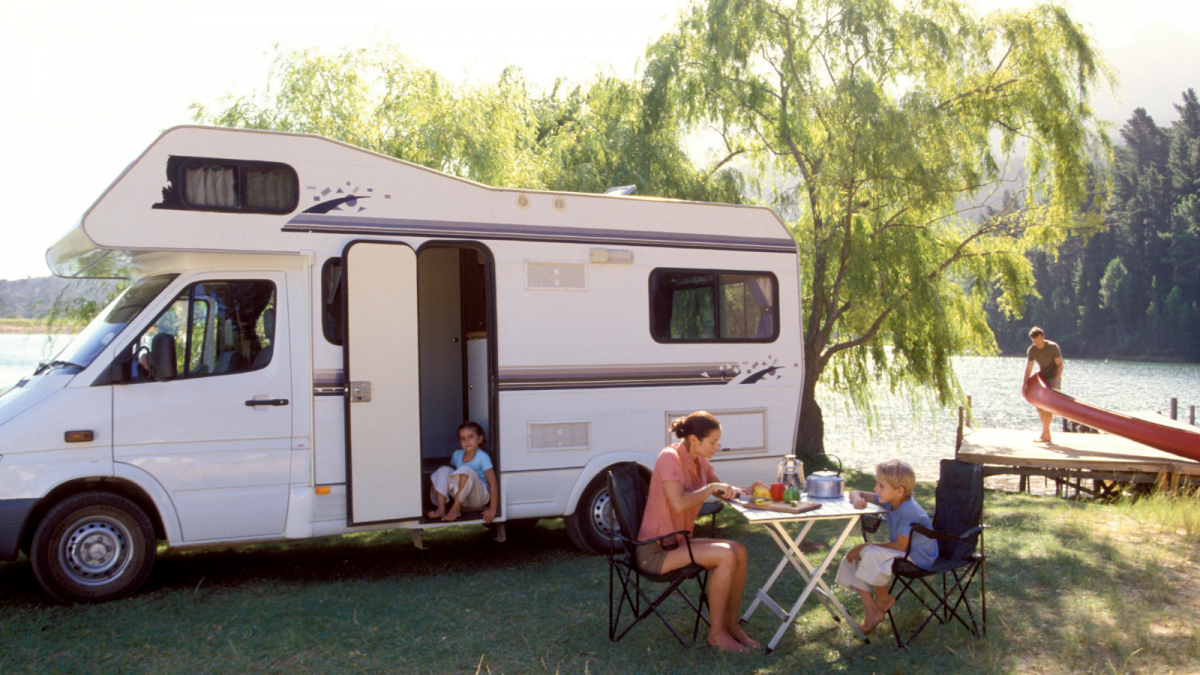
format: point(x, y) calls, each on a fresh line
point(830, 508)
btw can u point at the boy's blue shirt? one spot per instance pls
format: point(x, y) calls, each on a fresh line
point(923, 550)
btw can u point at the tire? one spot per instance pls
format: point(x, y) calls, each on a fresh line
point(593, 523)
point(93, 547)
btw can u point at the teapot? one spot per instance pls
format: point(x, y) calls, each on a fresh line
point(827, 484)
point(791, 473)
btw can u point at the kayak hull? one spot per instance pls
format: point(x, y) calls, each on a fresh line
point(1170, 439)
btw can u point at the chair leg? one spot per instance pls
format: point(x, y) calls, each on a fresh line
point(638, 596)
point(942, 610)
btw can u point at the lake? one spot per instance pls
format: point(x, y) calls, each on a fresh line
point(922, 437)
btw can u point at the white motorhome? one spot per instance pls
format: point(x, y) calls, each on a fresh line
point(308, 323)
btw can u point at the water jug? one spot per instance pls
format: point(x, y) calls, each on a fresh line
point(791, 473)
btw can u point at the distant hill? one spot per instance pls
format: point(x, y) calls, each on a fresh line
point(31, 298)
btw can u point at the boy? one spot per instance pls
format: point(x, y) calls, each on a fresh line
point(868, 567)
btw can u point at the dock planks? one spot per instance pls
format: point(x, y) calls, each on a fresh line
point(1076, 456)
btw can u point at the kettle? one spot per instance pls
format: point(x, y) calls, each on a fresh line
point(827, 484)
point(791, 473)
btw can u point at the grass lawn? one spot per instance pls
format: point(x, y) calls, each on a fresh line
point(1073, 588)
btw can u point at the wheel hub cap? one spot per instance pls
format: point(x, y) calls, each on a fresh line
point(96, 551)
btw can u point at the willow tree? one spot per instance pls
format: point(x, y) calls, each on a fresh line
point(504, 133)
point(879, 126)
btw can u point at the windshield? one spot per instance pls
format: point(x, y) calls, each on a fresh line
point(108, 323)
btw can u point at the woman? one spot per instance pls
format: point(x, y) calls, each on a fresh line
point(683, 478)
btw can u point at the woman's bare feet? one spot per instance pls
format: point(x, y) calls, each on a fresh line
point(726, 642)
point(453, 513)
point(740, 635)
point(434, 515)
point(1041, 439)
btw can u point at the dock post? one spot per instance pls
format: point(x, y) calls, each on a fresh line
point(958, 436)
point(1192, 415)
point(1174, 408)
point(970, 417)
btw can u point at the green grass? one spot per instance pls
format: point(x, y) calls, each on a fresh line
point(1072, 588)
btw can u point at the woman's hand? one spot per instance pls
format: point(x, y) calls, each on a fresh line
point(724, 490)
point(489, 514)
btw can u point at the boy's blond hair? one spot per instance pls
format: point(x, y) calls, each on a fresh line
point(898, 474)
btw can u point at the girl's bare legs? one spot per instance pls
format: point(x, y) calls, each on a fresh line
point(726, 562)
point(441, 509)
point(456, 507)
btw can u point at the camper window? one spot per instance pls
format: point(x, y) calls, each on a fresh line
point(332, 300)
point(207, 184)
point(712, 306)
point(219, 327)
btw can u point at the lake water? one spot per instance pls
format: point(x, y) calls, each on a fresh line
point(20, 353)
point(920, 437)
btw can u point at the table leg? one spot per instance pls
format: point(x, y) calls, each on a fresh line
point(806, 570)
point(794, 555)
point(762, 592)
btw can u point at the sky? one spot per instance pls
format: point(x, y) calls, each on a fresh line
point(89, 84)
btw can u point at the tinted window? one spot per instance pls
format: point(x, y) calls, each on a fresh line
point(216, 327)
point(703, 306)
point(332, 300)
point(102, 329)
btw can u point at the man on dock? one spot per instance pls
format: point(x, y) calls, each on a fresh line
point(1050, 366)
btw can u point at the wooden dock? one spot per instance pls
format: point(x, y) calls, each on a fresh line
point(1103, 460)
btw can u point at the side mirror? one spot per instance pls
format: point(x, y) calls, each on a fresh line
point(162, 356)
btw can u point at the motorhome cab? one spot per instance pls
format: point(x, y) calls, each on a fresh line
point(309, 322)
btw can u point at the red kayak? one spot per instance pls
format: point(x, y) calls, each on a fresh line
point(1177, 441)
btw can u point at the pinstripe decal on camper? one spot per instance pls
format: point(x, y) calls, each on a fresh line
point(312, 222)
point(590, 377)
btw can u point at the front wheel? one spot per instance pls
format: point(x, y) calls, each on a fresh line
point(93, 547)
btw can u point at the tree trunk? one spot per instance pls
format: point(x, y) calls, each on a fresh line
point(811, 439)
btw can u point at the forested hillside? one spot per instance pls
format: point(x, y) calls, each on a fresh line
point(32, 298)
point(1132, 289)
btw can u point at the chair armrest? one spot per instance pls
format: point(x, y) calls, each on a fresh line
point(687, 540)
point(869, 524)
point(934, 534)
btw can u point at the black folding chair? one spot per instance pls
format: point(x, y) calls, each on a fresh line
point(958, 530)
point(628, 491)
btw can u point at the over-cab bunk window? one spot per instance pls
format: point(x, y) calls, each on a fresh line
point(236, 186)
point(713, 306)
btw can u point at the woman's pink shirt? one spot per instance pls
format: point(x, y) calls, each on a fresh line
point(674, 463)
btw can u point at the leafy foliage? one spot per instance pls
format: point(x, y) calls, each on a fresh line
point(583, 138)
point(1133, 289)
point(879, 123)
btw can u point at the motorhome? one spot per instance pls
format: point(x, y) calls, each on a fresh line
point(307, 323)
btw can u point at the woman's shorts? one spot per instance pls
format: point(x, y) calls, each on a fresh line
point(651, 557)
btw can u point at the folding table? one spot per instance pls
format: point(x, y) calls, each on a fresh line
point(774, 522)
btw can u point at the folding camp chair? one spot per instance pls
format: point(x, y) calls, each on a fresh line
point(957, 529)
point(628, 491)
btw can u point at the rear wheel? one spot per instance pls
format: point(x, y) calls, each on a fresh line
point(93, 547)
point(593, 524)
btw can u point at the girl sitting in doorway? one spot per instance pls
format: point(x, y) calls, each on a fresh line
point(470, 483)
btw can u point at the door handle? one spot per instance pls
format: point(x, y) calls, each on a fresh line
point(267, 401)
